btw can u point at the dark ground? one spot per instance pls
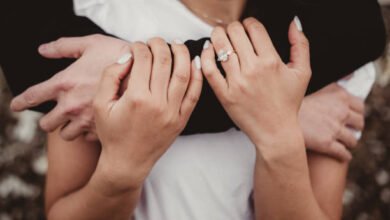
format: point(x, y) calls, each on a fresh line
point(23, 161)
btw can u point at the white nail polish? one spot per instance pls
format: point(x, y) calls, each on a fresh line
point(358, 135)
point(206, 44)
point(198, 65)
point(125, 58)
point(298, 23)
point(177, 41)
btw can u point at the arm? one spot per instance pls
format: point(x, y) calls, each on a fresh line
point(69, 186)
point(262, 95)
point(135, 129)
point(328, 178)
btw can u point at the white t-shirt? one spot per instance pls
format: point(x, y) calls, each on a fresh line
point(200, 177)
point(203, 176)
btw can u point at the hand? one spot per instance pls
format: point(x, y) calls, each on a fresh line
point(135, 129)
point(260, 93)
point(326, 118)
point(74, 87)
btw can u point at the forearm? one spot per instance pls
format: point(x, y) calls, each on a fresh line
point(282, 188)
point(105, 196)
point(328, 179)
point(88, 203)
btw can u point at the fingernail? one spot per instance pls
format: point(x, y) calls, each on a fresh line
point(43, 48)
point(198, 65)
point(358, 135)
point(177, 41)
point(125, 58)
point(298, 23)
point(206, 44)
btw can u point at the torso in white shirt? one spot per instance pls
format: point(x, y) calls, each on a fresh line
point(200, 177)
point(204, 176)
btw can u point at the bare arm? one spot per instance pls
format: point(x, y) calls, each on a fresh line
point(70, 193)
point(134, 129)
point(328, 179)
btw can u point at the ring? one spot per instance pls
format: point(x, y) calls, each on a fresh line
point(223, 55)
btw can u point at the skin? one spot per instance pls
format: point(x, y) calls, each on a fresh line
point(155, 104)
point(55, 195)
point(73, 90)
point(288, 183)
point(263, 95)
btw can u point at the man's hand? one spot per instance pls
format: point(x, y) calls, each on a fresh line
point(327, 118)
point(73, 88)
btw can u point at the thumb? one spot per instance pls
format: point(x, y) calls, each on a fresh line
point(70, 47)
point(300, 49)
point(110, 82)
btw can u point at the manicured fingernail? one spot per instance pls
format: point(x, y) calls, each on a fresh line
point(197, 63)
point(358, 135)
point(298, 23)
point(125, 58)
point(177, 41)
point(206, 44)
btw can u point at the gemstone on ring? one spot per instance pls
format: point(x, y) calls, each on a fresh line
point(223, 55)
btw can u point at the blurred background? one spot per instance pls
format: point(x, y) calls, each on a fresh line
point(23, 162)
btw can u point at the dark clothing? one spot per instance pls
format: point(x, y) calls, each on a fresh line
point(343, 35)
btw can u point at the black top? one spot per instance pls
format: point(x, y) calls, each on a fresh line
point(343, 35)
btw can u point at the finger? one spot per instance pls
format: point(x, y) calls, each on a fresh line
point(241, 43)
point(356, 104)
point(141, 70)
point(258, 34)
point(355, 121)
point(181, 75)
point(37, 95)
point(194, 90)
point(91, 137)
point(339, 151)
point(300, 49)
point(210, 70)
point(111, 80)
point(73, 130)
point(162, 64)
point(54, 119)
point(222, 45)
point(68, 47)
point(347, 137)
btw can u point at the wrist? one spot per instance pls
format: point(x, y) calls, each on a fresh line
point(287, 139)
point(114, 177)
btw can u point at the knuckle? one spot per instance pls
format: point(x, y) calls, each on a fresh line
point(73, 110)
point(193, 99)
point(253, 23)
point(304, 43)
point(251, 69)
point(43, 124)
point(165, 59)
point(271, 63)
point(234, 27)
point(96, 37)
point(182, 77)
point(157, 40)
point(30, 96)
point(137, 100)
point(326, 140)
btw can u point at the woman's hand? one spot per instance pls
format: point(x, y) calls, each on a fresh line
point(137, 127)
point(260, 93)
point(327, 117)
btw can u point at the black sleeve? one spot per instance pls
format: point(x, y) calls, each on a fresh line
point(344, 35)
